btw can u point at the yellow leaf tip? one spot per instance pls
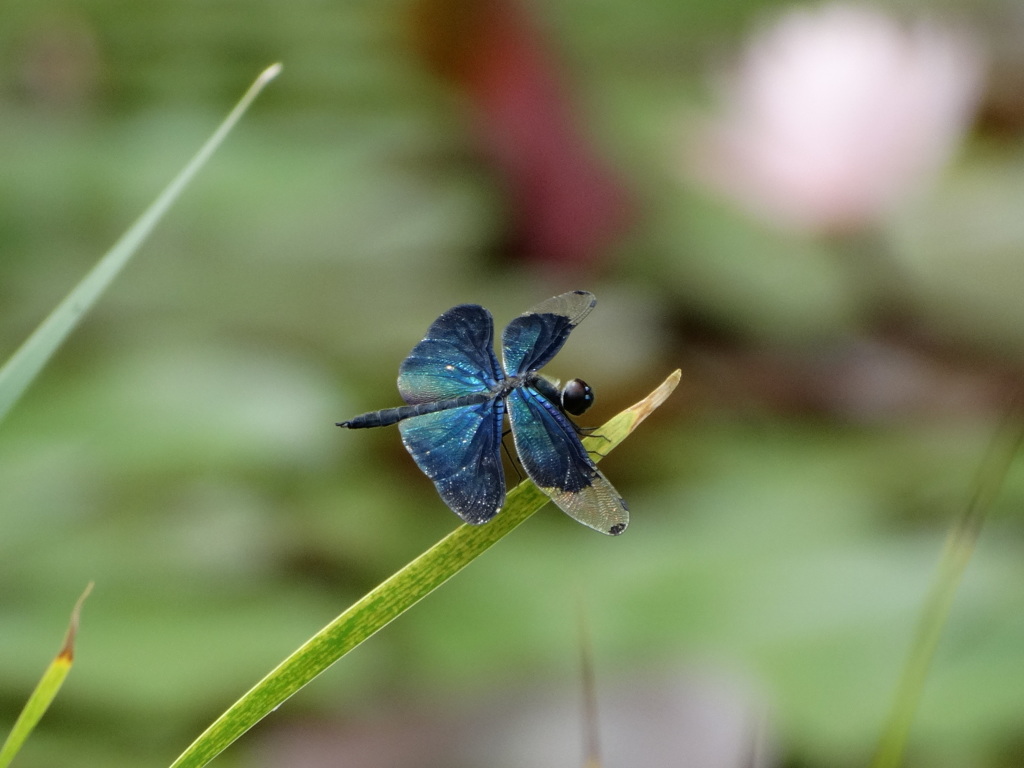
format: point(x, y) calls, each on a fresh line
point(645, 407)
point(270, 73)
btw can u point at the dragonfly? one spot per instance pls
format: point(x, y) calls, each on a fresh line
point(457, 394)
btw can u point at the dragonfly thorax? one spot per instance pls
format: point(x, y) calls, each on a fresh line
point(574, 398)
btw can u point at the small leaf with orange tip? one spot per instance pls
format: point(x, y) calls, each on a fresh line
point(46, 690)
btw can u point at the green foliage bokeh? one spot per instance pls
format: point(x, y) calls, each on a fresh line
point(180, 450)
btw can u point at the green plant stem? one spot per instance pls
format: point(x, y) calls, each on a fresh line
point(960, 545)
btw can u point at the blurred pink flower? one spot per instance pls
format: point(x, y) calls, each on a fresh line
point(836, 114)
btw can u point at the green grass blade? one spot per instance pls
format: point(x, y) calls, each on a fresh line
point(29, 359)
point(45, 691)
point(960, 544)
point(588, 679)
point(392, 597)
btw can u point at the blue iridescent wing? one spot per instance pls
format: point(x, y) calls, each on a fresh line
point(557, 462)
point(532, 339)
point(460, 450)
point(455, 358)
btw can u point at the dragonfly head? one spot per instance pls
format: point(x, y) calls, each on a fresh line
point(577, 396)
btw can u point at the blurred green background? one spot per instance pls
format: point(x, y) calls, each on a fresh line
point(789, 502)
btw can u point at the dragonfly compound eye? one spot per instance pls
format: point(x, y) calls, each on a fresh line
point(577, 397)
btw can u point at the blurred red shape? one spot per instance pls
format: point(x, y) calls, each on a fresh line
point(566, 205)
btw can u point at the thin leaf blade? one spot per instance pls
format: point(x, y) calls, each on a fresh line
point(29, 359)
point(393, 597)
point(960, 544)
point(46, 689)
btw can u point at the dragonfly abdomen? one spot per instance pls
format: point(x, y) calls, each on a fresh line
point(390, 416)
